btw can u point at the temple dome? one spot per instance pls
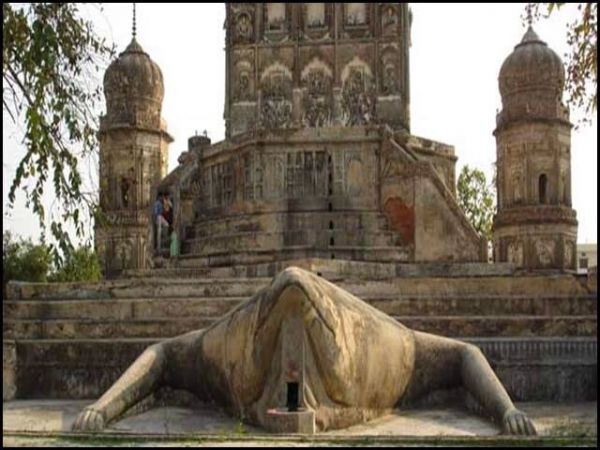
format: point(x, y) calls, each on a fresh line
point(532, 66)
point(134, 75)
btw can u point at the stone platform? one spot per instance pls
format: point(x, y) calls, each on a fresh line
point(32, 421)
point(73, 340)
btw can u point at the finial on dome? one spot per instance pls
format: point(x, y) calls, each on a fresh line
point(528, 8)
point(134, 31)
point(531, 36)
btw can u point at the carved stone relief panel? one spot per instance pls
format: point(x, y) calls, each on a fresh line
point(356, 175)
point(219, 184)
point(127, 184)
point(275, 15)
point(569, 247)
point(274, 177)
point(243, 88)
point(123, 253)
point(389, 69)
point(356, 20)
point(389, 19)
point(276, 21)
point(276, 100)
point(358, 96)
point(514, 253)
point(243, 23)
point(544, 249)
point(337, 172)
point(316, 20)
point(317, 80)
point(516, 185)
point(355, 13)
point(294, 175)
point(315, 15)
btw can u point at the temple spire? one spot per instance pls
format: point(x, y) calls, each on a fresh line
point(133, 31)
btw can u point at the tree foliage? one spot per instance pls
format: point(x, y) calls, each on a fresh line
point(51, 56)
point(582, 59)
point(80, 265)
point(23, 260)
point(476, 199)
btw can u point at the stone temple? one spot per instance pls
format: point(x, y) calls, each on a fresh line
point(318, 159)
point(319, 170)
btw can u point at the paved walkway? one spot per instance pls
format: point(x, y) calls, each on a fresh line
point(27, 420)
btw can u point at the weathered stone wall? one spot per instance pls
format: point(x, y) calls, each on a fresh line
point(422, 209)
point(342, 191)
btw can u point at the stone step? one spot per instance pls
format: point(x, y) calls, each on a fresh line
point(138, 288)
point(323, 239)
point(468, 326)
point(140, 308)
point(452, 287)
point(557, 368)
point(503, 326)
point(526, 285)
point(484, 305)
point(276, 253)
point(333, 270)
point(119, 309)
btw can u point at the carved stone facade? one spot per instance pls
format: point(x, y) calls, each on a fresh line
point(535, 227)
point(316, 64)
point(133, 159)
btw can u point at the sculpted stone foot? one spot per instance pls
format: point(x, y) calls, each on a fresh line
point(305, 339)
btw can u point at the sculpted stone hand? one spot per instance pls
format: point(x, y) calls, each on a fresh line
point(89, 420)
point(343, 359)
point(517, 422)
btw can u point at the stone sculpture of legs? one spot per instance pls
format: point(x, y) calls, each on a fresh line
point(350, 361)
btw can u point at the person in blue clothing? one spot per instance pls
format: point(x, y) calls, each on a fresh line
point(159, 219)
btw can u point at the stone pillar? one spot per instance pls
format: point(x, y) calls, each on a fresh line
point(337, 114)
point(297, 107)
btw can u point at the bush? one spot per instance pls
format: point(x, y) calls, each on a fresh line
point(79, 265)
point(23, 260)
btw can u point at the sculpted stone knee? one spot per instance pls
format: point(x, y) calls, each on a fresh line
point(348, 361)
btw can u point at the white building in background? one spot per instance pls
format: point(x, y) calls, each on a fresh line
point(587, 256)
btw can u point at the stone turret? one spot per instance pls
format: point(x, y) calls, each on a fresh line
point(535, 227)
point(133, 159)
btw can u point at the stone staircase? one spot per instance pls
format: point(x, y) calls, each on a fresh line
point(73, 340)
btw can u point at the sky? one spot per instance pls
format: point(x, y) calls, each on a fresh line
point(456, 53)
